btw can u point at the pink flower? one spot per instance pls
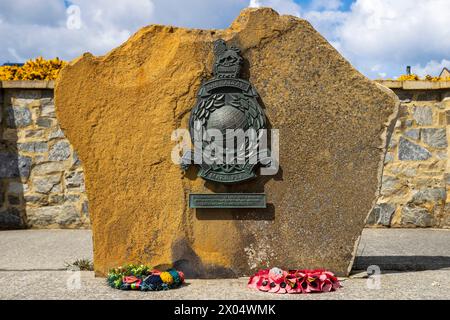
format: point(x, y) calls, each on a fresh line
point(294, 281)
point(326, 286)
point(292, 285)
point(181, 275)
point(130, 279)
point(274, 287)
point(254, 280)
point(263, 284)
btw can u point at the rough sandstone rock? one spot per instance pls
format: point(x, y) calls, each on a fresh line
point(119, 112)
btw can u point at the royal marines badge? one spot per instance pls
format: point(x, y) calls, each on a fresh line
point(227, 106)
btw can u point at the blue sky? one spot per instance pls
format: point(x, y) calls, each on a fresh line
point(379, 37)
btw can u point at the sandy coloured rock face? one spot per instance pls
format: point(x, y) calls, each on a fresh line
point(119, 112)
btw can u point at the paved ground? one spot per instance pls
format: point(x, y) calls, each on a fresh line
point(32, 267)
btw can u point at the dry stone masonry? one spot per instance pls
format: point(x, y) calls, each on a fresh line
point(41, 177)
point(416, 177)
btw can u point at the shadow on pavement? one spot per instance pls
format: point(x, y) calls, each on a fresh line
point(402, 263)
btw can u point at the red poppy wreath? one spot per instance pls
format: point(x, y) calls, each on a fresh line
point(294, 281)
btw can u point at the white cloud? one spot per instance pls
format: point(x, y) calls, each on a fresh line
point(32, 28)
point(255, 4)
point(282, 6)
point(388, 34)
point(391, 34)
point(431, 68)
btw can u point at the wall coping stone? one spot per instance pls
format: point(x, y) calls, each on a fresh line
point(391, 84)
point(28, 84)
point(415, 85)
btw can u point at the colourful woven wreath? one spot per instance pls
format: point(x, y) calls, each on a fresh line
point(144, 278)
point(294, 281)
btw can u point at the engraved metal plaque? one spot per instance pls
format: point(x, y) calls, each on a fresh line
point(227, 200)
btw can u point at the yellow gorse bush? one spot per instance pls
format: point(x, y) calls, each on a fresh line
point(38, 69)
point(414, 77)
point(408, 77)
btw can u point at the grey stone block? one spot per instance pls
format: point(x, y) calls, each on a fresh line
point(24, 167)
point(48, 109)
point(14, 166)
point(33, 147)
point(19, 117)
point(59, 151)
point(63, 216)
point(381, 214)
point(413, 134)
point(47, 184)
point(416, 216)
point(34, 133)
point(10, 219)
point(48, 167)
point(74, 180)
point(56, 134)
point(435, 137)
point(429, 195)
point(423, 115)
point(409, 151)
point(39, 199)
point(389, 185)
point(44, 122)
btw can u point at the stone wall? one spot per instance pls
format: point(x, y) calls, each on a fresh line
point(416, 177)
point(41, 177)
point(42, 183)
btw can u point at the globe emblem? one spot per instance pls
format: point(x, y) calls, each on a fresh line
point(227, 117)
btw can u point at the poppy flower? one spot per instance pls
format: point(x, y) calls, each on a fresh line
point(263, 284)
point(284, 287)
point(156, 272)
point(294, 281)
point(326, 286)
point(253, 281)
point(292, 284)
point(181, 274)
point(130, 279)
point(314, 283)
point(274, 287)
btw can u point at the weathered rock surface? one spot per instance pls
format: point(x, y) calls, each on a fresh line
point(119, 112)
point(381, 215)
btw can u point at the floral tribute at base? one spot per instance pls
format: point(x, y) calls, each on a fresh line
point(144, 278)
point(294, 281)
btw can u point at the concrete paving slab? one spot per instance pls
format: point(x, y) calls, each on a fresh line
point(404, 249)
point(43, 249)
point(57, 285)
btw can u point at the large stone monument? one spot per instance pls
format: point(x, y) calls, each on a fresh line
point(120, 111)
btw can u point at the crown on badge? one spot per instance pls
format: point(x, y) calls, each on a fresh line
point(228, 60)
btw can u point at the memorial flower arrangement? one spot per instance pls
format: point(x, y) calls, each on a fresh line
point(144, 278)
point(294, 281)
